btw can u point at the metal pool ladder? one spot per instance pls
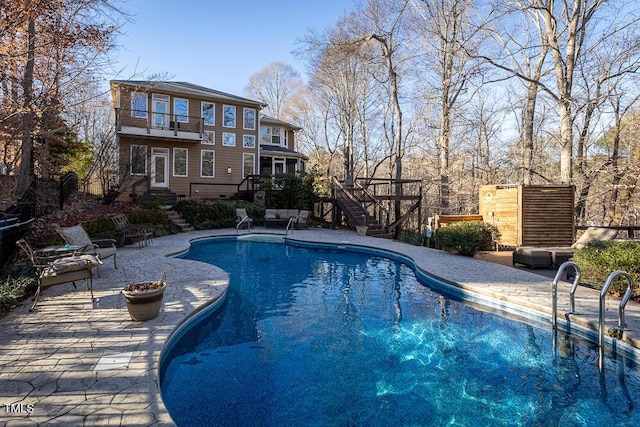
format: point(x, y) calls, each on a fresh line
point(289, 224)
point(625, 299)
point(554, 292)
point(243, 220)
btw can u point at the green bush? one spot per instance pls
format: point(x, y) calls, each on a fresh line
point(292, 191)
point(467, 238)
point(15, 287)
point(205, 215)
point(599, 259)
point(413, 237)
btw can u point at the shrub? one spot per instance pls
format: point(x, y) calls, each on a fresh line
point(415, 238)
point(467, 238)
point(292, 191)
point(205, 215)
point(16, 286)
point(599, 259)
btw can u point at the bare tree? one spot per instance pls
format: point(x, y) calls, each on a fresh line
point(274, 85)
point(447, 35)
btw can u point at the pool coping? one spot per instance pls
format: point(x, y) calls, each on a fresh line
point(48, 357)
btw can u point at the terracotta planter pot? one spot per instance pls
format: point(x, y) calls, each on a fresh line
point(144, 304)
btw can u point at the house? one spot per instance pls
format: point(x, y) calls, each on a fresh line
point(187, 141)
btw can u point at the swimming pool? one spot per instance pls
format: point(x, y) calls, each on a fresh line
point(334, 337)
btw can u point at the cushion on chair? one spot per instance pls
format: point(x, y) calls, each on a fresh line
point(71, 263)
point(105, 252)
point(594, 233)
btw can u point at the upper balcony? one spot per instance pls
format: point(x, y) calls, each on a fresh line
point(162, 125)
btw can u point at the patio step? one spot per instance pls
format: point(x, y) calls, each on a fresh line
point(179, 221)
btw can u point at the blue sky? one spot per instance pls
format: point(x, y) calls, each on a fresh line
point(217, 44)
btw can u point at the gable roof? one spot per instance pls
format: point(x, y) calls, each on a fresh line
point(186, 88)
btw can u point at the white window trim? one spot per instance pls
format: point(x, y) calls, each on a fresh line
point(180, 118)
point(251, 136)
point(146, 154)
point(244, 112)
point(137, 113)
point(202, 103)
point(186, 161)
point(212, 132)
point(235, 116)
point(213, 161)
point(224, 138)
point(254, 164)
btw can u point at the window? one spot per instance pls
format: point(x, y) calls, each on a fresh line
point(207, 163)
point(209, 137)
point(139, 104)
point(180, 156)
point(138, 160)
point(271, 135)
point(181, 110)
point(228, 116)
point(209, 113)
point(248, 164)
point(249, 119)
point(249, 141)
point(228, 139)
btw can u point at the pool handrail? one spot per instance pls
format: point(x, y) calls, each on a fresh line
point(554, 292)
point(603, 294)
point(289, 224)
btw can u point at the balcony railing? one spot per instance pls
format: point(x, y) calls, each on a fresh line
point(139, 122)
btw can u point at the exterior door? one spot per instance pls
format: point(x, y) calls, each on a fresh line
point(160, 110)
point(278, 166)
point(159, 167)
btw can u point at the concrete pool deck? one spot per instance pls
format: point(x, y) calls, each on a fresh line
point(74, 362)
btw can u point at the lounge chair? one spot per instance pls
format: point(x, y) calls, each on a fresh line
point(102, 248)
point(302, 220)
point(142, 233)
point(58, 270)
point(243, 219)
point(552, 257)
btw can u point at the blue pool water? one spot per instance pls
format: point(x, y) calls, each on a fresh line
point(315, 337)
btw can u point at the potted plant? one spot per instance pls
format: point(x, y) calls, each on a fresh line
point(144, 299)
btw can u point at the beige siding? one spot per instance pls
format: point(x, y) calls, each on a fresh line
point(225, 156)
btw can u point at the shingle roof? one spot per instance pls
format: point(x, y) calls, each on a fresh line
point(187, 89)
point(281, 150)
point(273, 120)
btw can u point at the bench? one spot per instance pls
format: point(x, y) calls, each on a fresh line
point(279, 217)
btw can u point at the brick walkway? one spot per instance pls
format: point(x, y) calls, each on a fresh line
point(73, 362)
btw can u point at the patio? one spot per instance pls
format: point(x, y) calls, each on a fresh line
point(71, 362)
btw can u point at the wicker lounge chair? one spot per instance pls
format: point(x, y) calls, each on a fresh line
point(102, 248)
point(58, 270)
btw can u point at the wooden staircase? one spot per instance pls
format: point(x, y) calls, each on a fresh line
point(357, 216)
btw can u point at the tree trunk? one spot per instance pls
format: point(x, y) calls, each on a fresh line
point(26, 167)
point(528, 116)
point(443, 154)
